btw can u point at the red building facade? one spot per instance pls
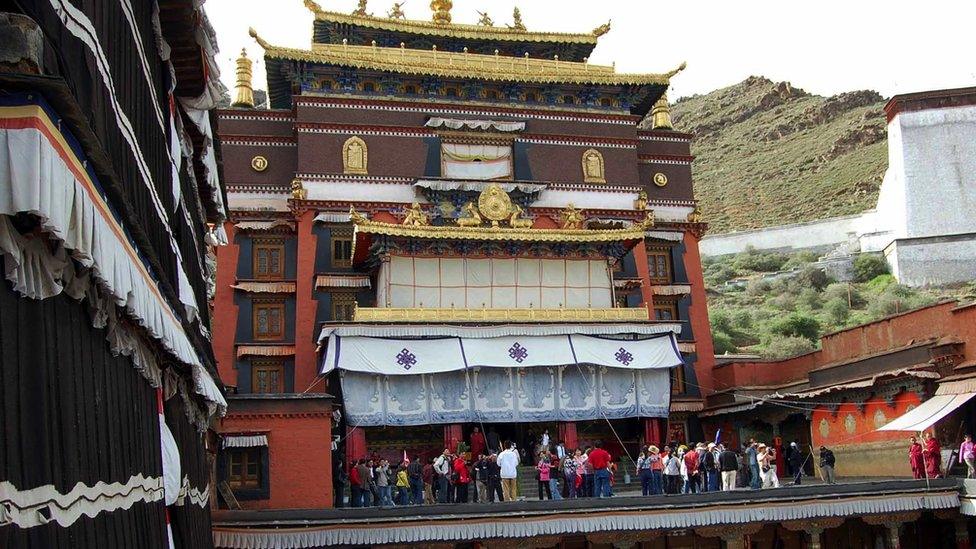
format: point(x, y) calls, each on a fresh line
point(409, 123)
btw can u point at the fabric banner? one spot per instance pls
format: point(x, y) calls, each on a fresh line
point(398, 357)
point(494, 395)
point(476, 161)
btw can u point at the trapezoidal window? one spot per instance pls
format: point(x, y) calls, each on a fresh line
point(244, 468)
point(269, 321)
point(267, 376)
point(269, 259)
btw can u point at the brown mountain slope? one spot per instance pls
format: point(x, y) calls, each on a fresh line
point(768, 153)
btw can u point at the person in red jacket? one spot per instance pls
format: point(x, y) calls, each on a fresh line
point(462, 477)
point(356, 484)
point(691, 464)
point(600, 459)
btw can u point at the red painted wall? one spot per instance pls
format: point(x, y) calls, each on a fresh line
point(306, 368)
point(300, 454)
point(225, 311)
point(699, 316)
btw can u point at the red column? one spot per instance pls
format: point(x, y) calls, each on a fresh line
point(653, 433)
point(452, 435)
point(644, 272)
point(567, 433)
point(306, 369)
point(225, 311)
point(355, 444)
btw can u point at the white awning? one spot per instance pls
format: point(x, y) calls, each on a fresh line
point(673, 236)
point(482, 125)
point(342, 281)
point(957, 387)
point(928, 413)
point(263, 225)
point(388, 356)
point(471, 185)
point(243, 441)
point(332, 217)
point(452, 330)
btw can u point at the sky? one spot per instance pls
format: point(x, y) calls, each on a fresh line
point(825, 46)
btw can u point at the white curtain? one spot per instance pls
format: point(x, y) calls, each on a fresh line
point(494, 283)
point(467, 161)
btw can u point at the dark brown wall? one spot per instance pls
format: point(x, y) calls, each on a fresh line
point(386, 155)
point(237, 164)
point(679, 185)
point(563, 163)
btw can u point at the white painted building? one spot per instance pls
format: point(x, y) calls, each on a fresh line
point(925, 220)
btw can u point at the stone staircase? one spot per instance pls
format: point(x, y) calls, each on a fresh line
point(529, 488)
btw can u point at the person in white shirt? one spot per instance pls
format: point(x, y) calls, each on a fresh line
point(508, 462)
point(561, 451)
point(442, 466)
point(545, 440)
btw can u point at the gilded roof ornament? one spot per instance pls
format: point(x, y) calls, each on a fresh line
point(602, 29)
point(361, 8)
point(517, 23)
point(460, 65)
point(396, 12)
point(676, 70)
point(261, 42)
point(485, 20)
point(572, 217)
point(661, 120)
point(356, 217)
point(442, 11)
point(416, 216)
point(245, 94)
point(313, 6)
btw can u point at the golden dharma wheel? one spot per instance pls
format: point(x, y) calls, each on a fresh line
point(494, 203)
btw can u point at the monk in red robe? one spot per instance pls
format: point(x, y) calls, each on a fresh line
point(477, 443)
point(933, 457)
point(915, 458)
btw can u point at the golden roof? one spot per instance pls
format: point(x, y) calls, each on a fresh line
point(463, 65)
point(452, 232)
point(452, 30)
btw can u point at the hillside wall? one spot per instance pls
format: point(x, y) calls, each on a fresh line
point(817, 235)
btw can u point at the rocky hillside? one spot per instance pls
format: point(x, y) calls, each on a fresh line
point(768, 153)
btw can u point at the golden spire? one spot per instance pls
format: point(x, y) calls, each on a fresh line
point(661, 114)
point(245, 94)
point(442, 11)
point(517, 23)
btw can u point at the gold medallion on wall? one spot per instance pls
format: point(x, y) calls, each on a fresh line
point(660, 179)
point(259, 163)
point(494, 203)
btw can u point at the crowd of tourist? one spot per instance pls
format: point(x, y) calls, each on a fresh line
point(491, 474)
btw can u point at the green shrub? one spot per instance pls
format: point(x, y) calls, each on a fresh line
point(780, 347)
point(799, 259)
point(797, 325)
point(723, 343)
point(880, 282)
point(760, 262)
point(783, 302)
point(869, 266)
point(847, 292)
point(810, 299)
point(719, 274)
point(837, 310)
point(810, 277)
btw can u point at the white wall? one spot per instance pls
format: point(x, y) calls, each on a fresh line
point(822, 234)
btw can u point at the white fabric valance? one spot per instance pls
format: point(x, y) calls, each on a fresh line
point(481, 125)
point(494, 283)
point(265, 225)
point(342, 281)
point(44, 177)
point(332, 217)
point(928, 413)
point(389, 356)
point(469, 161)
point(476, 186)
point(673, 236)
point(243, 441)
point(523, 329)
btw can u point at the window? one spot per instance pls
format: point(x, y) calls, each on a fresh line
point(621, 302)
point(659, 265)
point(269, 259)
point(343, 306)
point(269, 320)
point(341, 249)
point(665, 311)
point(244, 468)
point(678, 380)
point(267, 377)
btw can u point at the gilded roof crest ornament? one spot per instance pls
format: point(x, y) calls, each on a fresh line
point(602, 29)
point(396, 12)
point(572, 217)
point(485, 20)
point(360, 8)
point(416, 216)
point(313, 6)
point(355, 216)
point(442, 11)
point(517, 23)
point(261, 41)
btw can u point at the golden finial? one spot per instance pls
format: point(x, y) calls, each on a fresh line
point(661, 114)
point(314, 6)
point(261, 42)
point(442, 11)
point(696, 215)
point(485, 20)
point(396, 12)
point(641, 203)
point(245, 94)
point(517, 23)
point(298, 191)
point(602, 29)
